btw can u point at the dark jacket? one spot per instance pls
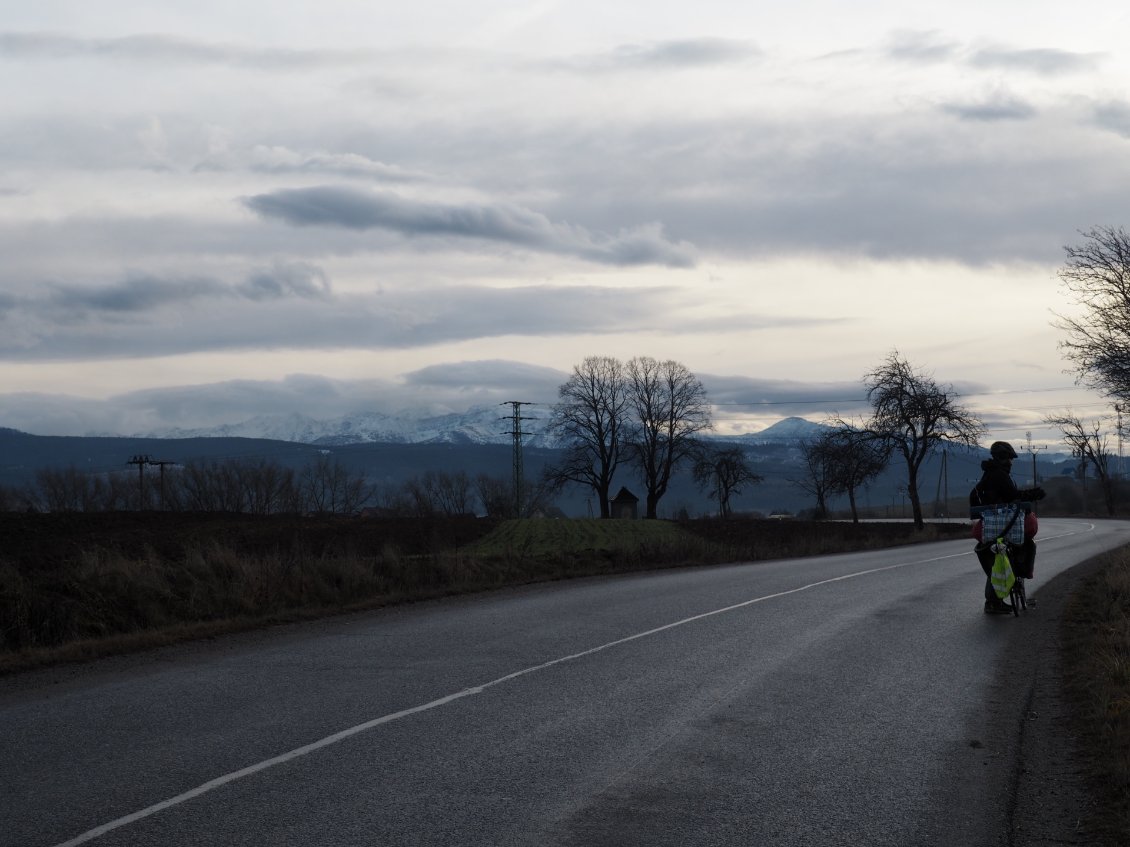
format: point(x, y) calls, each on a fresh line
point(996, 486)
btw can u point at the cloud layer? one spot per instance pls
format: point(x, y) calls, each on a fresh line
point(502, 223)
point(499, 187)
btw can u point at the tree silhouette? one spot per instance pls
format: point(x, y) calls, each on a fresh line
point(1097, 274)
point(590, 418)
point(723, 471)
point(669, 409)
point(912, 415)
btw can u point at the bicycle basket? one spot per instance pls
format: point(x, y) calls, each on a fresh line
point(997, 519)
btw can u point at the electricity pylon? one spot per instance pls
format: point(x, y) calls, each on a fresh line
point(516, 433)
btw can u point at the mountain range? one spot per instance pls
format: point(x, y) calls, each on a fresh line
point(478, 425)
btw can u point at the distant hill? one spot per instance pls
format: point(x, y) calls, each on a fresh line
point(787, 431)
point(774, 453)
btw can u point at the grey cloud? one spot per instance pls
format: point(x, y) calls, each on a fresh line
point(931, 47)
point(146, 293)
point(920, 47)
point(439, 388)
point(236, 400)
point(281, 160)
point(137, 294)
point(283, 280)
point(737, 396)
point(168, 48)
point(1114, 117)
point(186, 406)
point(744, 186)
point(903, 195)
point(490, 374)
point(34, 331)
point(503, 223)
point(997, 108)
point(1043, 61)
point(677, 54)
point(683, 53)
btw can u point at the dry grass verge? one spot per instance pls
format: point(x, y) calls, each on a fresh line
point(74, 587)
point(1097, 662)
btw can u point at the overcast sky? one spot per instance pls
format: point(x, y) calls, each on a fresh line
point(215, 210)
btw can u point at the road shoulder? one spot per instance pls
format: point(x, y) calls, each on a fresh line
point(1051, 799)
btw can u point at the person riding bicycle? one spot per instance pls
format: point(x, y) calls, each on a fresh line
point(996, 487)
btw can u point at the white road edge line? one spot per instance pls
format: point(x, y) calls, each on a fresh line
point(329, 740)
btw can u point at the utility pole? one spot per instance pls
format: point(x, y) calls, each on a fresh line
point(945, 483)
point(516, 433)
point(1081, 455)
point(1033, 450)
point(942, 495)
point(141, 461)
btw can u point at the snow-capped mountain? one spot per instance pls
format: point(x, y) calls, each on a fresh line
point(478, 425)
point(787, 431)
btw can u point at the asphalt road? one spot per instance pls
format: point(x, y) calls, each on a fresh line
point(856, 699)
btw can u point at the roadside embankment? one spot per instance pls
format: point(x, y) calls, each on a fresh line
point(75, 586)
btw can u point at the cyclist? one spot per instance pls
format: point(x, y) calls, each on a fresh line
point(996, 486)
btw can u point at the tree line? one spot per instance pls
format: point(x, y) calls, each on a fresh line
point(265, 487)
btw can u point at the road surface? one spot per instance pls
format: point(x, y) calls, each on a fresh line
point(852, 699)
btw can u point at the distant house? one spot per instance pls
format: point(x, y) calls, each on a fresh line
point(623, 505)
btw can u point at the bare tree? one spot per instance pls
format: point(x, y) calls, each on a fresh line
point(450, 492)
point(395, 500)
point(268, 488)
point(912, 416)
point(1090, 444)
point(69, 490)
point(854, 459)
point(590, 419)
point(1097, 274)
point(816, 478)
point(496, 494)
point(723, 472)
point(329, 487)
point(669, 409)
point(209, 487)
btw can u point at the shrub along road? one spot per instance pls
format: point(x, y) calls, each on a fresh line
point(860, 698)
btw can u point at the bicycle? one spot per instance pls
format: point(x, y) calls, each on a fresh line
point(1004, 524)
point(1017, 595)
